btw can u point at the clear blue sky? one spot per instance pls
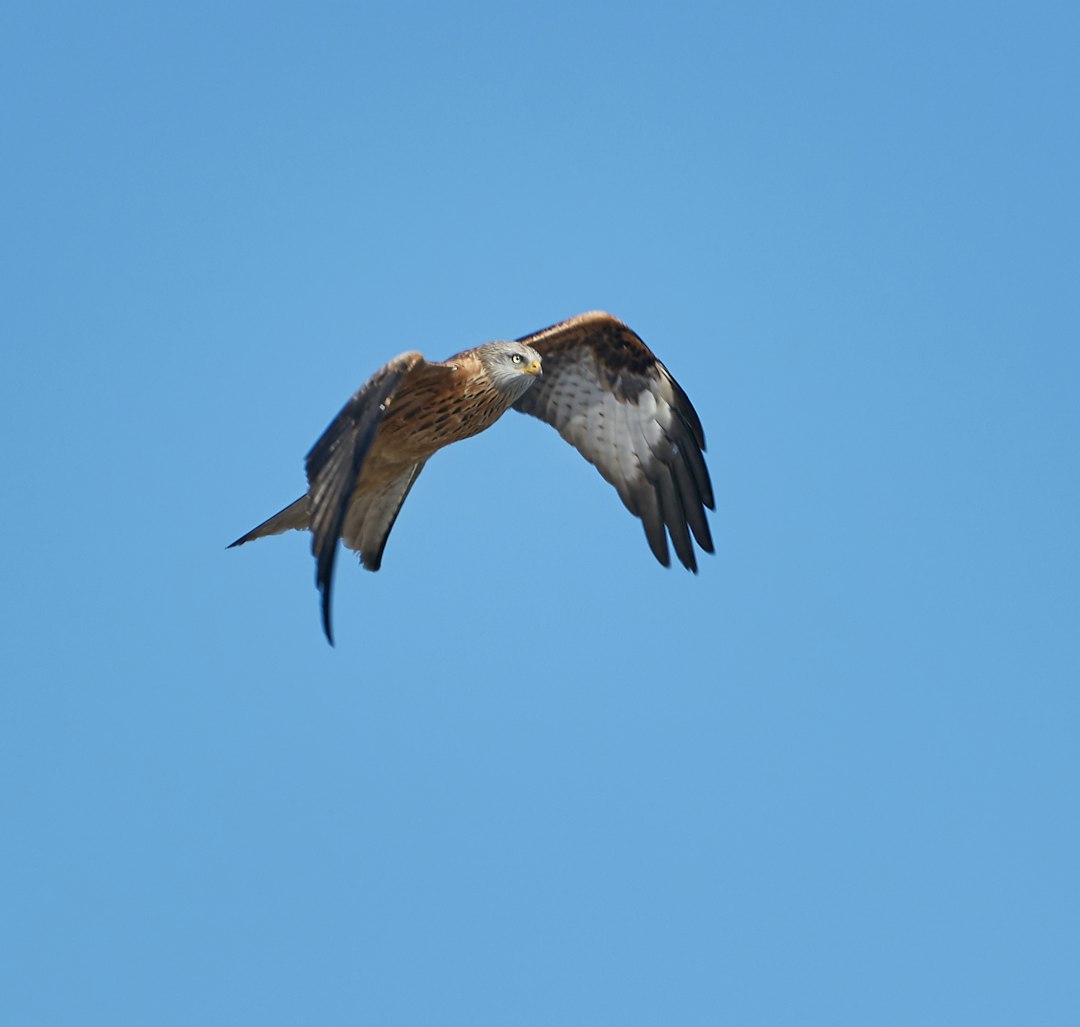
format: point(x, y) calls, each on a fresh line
point(833, 779)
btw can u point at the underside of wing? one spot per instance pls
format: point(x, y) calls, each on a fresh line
point(606, 394)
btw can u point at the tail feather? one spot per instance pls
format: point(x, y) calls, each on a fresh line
point(368, 523)
point(294, 517)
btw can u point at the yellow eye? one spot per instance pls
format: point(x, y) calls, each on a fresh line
point(516, 358)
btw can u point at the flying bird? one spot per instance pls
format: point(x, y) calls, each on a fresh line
point(590, 377)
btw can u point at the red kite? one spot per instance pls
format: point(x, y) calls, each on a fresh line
point(591, 378)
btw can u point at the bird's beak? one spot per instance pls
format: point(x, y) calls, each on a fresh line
point(535, 369)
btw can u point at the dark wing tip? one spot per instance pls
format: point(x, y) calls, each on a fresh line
point(327, 627)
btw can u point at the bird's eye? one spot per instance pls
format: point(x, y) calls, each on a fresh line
point(516, 358)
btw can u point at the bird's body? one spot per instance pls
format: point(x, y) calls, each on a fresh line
point(445, 402)
point(590, 377)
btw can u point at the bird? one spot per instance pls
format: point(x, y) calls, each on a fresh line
point(591, 377)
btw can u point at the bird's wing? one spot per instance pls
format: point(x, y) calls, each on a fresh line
point(606, 393)
point(335, 462)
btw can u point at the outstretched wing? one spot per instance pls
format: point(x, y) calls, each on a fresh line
point(334, 464)
point(609, 397)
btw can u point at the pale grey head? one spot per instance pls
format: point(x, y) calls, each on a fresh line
point(512, 366)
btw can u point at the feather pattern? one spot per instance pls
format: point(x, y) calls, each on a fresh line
point(606, 394)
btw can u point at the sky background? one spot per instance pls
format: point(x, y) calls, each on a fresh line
point(833, 779)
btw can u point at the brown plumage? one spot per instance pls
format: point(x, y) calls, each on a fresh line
point(590, 377)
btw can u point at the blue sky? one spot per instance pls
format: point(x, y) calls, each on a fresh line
point(831, 780)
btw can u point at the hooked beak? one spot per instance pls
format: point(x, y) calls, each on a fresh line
point(535, 369)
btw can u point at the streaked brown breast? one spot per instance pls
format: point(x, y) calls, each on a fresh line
point(441, 405)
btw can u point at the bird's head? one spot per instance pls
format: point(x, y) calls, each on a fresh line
point(512, 366)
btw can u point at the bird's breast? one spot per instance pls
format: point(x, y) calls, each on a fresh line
point(418, 424)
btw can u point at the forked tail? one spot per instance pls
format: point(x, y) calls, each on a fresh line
point(294, 516)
